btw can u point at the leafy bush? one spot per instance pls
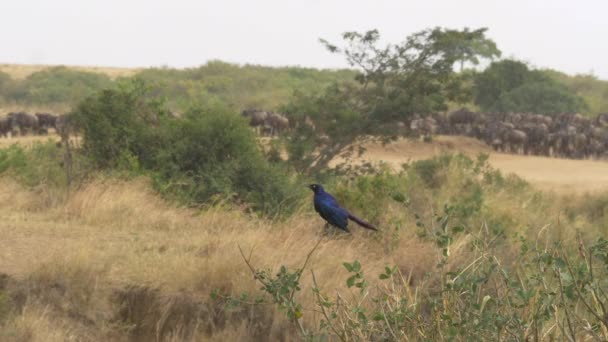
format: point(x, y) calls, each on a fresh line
point(547, 290)
point(540, 98)
point(510, 86)
point(587, 86)
point(212, 152)
point(209, 154)
point(119, 123)
point(41, 164)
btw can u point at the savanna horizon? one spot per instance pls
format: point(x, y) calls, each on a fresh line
point(167, 212)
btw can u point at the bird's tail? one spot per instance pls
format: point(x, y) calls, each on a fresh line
point(361, 222)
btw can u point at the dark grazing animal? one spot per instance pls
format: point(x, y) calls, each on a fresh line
point(5, 126)
point(23, 122)
point(329, 209)
point(46, 120)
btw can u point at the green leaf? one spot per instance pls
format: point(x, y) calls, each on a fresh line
point(399, 197)
point(348, 266)
point(298, 314)
point(350, 282)
point(560, 263)
point(356, 266)
point(457, 229)
point(378, 316)
point(215, 293)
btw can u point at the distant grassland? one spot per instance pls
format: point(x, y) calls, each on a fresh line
point(236, 86)
point(58, 88)
point(21, 71)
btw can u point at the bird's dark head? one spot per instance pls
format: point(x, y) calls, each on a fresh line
point(316, 188)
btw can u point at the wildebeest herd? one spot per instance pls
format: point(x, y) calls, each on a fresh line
point(568, 135)
point(266, 122)
point(22, 123)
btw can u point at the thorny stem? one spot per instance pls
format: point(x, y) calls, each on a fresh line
point(580, 295)
point(561, 292)
point(299, 274)
point(331, 325)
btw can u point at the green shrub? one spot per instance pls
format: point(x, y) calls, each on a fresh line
point(40, 164)
point(212, 153)
point(541, 98)
point(119, 123)
point(510, 86)
point(209, 154)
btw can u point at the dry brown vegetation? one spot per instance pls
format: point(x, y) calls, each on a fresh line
point(116, 244)
point(21, 71)
point(113, 262)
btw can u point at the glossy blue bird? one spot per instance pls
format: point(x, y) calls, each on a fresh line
point(329, 209)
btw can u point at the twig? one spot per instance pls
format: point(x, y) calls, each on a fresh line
point(388, 325)
point(469, 266)
point(314, 281)
point(248, 262)
point(597, 316)
point(304, 266)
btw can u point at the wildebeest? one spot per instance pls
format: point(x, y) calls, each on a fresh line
point(5, 126)
point(424, 127)
point(268, 122)
point(46, 120)
point(276, 122)
point(569, 135)
point(462, 116)
point(517, 140)
point(257, 118)
point(23, 122)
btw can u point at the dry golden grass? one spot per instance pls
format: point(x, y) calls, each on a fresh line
point(80, 260)
point(28, 140)
point(112, 234)
point(35, 324)
point(115, 243)
point(21, 71)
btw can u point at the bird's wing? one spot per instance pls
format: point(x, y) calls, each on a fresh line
point(332, 213)
point(328, 198)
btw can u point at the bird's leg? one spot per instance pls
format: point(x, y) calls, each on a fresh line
point(326, 229)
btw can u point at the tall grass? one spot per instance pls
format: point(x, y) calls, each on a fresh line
point(113, 261)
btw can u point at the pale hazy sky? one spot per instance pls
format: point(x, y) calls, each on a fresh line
point(568, 35)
